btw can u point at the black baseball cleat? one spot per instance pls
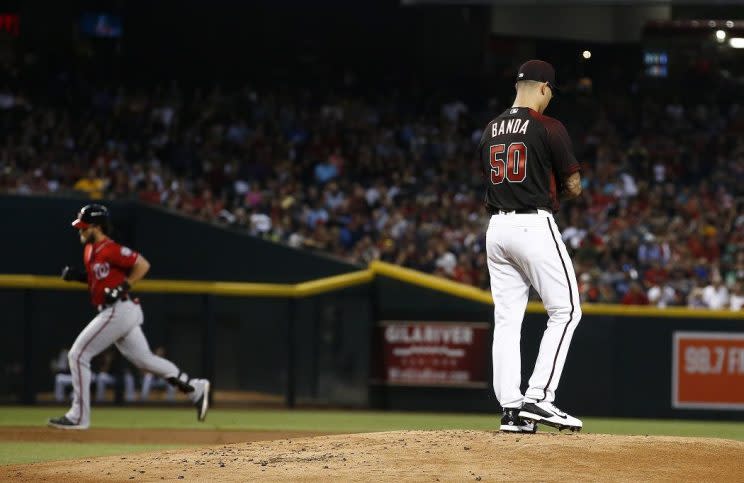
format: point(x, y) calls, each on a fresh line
point(512, 423)
point(202, 402)
point(63, 423)
point(545, 412)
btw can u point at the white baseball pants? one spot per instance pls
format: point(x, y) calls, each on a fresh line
point(117, 324)
point(524, 250)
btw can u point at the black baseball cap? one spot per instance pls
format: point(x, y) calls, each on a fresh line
point(91, 215)
point(538, 70)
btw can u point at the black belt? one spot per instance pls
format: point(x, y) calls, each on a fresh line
point(521, 211)
point(123, 298)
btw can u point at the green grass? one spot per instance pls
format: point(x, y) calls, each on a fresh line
point(19, 452)
point(349, 421)
point(301, 420)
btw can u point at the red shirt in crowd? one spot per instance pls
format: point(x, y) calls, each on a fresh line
point(634, 298)
point(655, 275)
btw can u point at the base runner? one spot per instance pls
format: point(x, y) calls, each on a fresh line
point(110, 270)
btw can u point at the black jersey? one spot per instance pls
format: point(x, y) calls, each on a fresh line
point(524, 152)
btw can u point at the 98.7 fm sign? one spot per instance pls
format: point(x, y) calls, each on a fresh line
point(708, 370)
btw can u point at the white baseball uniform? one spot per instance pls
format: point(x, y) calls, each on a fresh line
point(524, 153)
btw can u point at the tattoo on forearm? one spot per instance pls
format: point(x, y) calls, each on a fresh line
point(572, 186)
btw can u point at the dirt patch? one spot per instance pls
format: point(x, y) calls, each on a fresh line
point(419, 456)
point(148, 436)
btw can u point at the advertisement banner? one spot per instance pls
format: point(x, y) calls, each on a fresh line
point(708, 370)
point(416, 353)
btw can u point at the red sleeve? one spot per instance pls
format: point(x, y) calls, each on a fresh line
point(564, 161)
point(121, 256)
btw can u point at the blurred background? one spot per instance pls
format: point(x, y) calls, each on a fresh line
point(283, 142)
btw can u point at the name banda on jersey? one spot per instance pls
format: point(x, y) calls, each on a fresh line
point(512, 126)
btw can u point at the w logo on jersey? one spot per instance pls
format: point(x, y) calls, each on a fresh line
point(101, 270)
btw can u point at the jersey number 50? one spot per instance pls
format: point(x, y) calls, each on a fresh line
point(515, 167)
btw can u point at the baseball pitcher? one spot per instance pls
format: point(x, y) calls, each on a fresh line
point(530, 164)
point(110, 270)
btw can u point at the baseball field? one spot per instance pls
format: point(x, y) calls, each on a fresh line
point(147, 444)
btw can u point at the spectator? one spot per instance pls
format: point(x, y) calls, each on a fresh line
point(695, 299)
point(635, 295)
point(325, 171)
point(91, 184)
point(662, 295)
point(446, 260)
point(361, 177)
point(736, 301)
point(716, 295)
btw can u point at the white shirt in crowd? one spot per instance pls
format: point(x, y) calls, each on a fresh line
point(573, 236)
point(736, 302)
point(661, 296)
point(447, 262)
point(716, 298)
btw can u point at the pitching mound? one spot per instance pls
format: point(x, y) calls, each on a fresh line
point(419, 456)
point(202, 437)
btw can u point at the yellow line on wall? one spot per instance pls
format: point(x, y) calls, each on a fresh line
point(650, 311)
point(430, 281)
point(229, 289)
point(339, 282)
point(466, 291)
point(38, 282)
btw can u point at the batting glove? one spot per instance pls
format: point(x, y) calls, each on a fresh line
point(74, 274)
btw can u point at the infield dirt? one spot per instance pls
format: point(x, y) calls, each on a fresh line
point(417, 456)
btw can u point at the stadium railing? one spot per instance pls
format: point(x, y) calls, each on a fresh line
point(338, 282)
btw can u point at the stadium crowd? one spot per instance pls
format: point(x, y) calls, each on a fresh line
point(395, 177)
